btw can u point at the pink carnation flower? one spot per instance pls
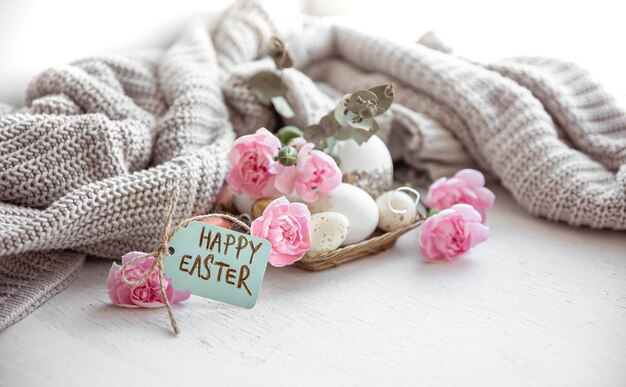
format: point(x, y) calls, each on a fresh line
point(253, 164)
point(315, 171)
point(297, 142)
point(467, 186)
point(286, 226)
point(451, 233)
point(147, 295)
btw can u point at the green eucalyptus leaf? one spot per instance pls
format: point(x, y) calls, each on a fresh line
point(329, 124)
point(283, 61)
point(278, 52)
point(315, 134)
point(266, 85)
point(282, 106)
point(344, 133)
point(385, 95)
point(361, 136)
point(357, 137)
point(432, 211)
point(352, 118)
point(288, 133)
point(369, 111)
point(355, 121)
point(361, 100)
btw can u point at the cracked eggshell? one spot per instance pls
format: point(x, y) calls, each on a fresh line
point(368, 166)
point(328, 231)
point(388, 220)
point(356, 205)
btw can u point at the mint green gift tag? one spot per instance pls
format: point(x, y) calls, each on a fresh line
point(217, 263)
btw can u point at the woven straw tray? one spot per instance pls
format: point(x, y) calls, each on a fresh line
point(375, 244)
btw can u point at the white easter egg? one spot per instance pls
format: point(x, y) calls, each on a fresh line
point(388, 220)
point(243, 204)
point(368, 166)
point(328, 231)
point(356, 205)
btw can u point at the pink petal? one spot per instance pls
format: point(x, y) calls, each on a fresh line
point(330, 183)
point(260, 227)
point(268, 191)
point(305, 193)
point(471, 176)
point(276, 262)
point(111, 277)
point(180, 296)
point(234, 156)
point(122, 294)
point(486, 197)
point(257, 227)
point(433, 192)
point(268, 139)
point(276, 204)
point(286, 179)
point(299, 209)
point(467, 212)
point(430, 253)
point(297, 142)
point(280, 260)
point(479, 232)
point(130, 256)
point(149, 305)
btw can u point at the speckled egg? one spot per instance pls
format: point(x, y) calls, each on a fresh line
point(356, 205)
point(328, 231)
point(388, 220)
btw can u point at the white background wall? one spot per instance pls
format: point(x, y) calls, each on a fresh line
point(35, 34)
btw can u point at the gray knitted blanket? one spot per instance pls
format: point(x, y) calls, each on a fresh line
point(86, 166)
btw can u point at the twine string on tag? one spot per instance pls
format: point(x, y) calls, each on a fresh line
point(161, 252)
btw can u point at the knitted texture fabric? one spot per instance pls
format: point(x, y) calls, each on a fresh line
point(543, 127)
point(87, 166)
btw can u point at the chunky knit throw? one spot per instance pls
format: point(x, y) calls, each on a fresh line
point(87, 165)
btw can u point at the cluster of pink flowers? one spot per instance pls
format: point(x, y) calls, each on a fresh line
point(146, 295)
point(256, 172)
point(463, 202)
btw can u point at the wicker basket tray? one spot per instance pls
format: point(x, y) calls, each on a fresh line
point(373, 245)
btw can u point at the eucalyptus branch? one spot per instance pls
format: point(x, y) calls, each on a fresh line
point(354, 117)
point(268, 86)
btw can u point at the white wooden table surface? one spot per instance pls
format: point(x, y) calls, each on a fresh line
point(540, 304)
